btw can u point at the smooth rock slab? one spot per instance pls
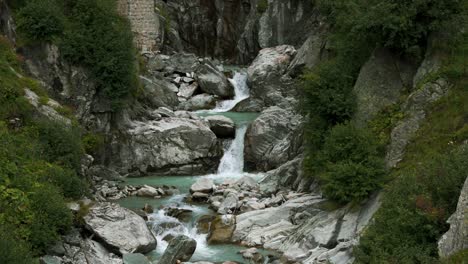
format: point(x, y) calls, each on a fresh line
point(202, 185)
point(122, 230)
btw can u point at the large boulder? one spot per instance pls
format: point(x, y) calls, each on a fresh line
point(456, 238)
point(203, 185)
point(222, 126)
point(273, 138)
point(380, 83)
point(199, 102)
point(222, 228)
point(311, 53)
point(169, 146)
point(180, 249)
point(122, 230)
point(212, 81)
point(158, 93)
point(269, 85)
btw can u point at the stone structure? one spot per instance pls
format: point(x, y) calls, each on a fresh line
point(144, 22)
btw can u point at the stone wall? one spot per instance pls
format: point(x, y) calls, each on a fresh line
point(144, 21)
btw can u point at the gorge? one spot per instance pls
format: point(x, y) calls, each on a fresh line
point(233, 131)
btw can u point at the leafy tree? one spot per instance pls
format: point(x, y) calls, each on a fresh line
point(41, 20)
point(351, 164)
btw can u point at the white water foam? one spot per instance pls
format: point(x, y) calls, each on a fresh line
point(241, 92)
point(232, 161)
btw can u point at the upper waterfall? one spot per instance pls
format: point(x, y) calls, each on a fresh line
point(241, 92)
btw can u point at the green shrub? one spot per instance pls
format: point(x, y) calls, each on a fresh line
point(262, 6)
point(403, 25)
point(67, 181)
point(60, 144)
point(102, 41)
point(350, 164)
point(40, 20)
point(51, 217)
point(12, 249)
point(92, 142)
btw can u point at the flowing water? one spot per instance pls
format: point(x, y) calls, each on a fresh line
point(231, 166)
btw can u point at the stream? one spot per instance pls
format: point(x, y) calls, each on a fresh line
point(231, 167)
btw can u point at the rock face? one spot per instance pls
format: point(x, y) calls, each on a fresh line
point(381, 82)
point(120, 229)
point(158, 93)
point(180, 249)
point(222, 126)
point(213, 82)
point(266, 78)
point(273, 138)
point(456, 238)
point(169, 146)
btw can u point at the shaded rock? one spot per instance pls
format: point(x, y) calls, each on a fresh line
point(204, 223)
point(181, 248)
point(222, 229)
point(119, 228)
point(311, 53)
point(212, 81)
point(179, 213)
point(148, 209)
point(203, 185)
point(380, 83)
point(222, 126)
point(200, 196)
point(97, 254)
point(456, 238)
point(273, 138)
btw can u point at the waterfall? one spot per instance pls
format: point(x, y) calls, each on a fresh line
point(232, 163)
point(241, 92)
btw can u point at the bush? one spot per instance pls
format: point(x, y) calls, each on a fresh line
point(60, 144)
point(350, 163)
point(402, 25)
point(99, 39)
point(67, 181)
point(414, 211)
point(262, 6)
point(51, 217)
point(12, 249)
point(40, 20)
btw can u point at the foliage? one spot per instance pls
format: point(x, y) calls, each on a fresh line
point(99, 39)
point(414, 210)
point(382, 124)
point(262, 6)
point(39, 160)
point(92, 142)
point(402, 25)
point(351, 164)
point(13, 250)
point(40, 20)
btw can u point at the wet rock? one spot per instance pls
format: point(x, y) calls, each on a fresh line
point(120, 228)
point(204, 223)
point(148, 209)
point(252, 255)
point(148, 191)
point(50, 260)
point(212, 81)
point(222, 126)
point(180, 249)
point(222, 229)
point(202, 185)
point(179, 213)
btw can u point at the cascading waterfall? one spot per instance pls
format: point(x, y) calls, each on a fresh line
point(241, 92)
point(231, 166)
point(232, 163)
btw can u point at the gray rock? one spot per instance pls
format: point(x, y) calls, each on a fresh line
point(309, 55)
point(45, 110)
point(135, 258)
point(181, 248)
point(187, 90)
point(203, 185)
point(199, 102)
point(222, 126)
point(147, 191)
point(165, 112)
point(214, 82)
point(229, 204)
point(270, 62)
point(97, 254)
point(158, 93)
point(456, 238)
point(273, 138)
point(51, 260)
point(121, 229)
point(170, 146)
point(380, 83)
point(221, 229)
